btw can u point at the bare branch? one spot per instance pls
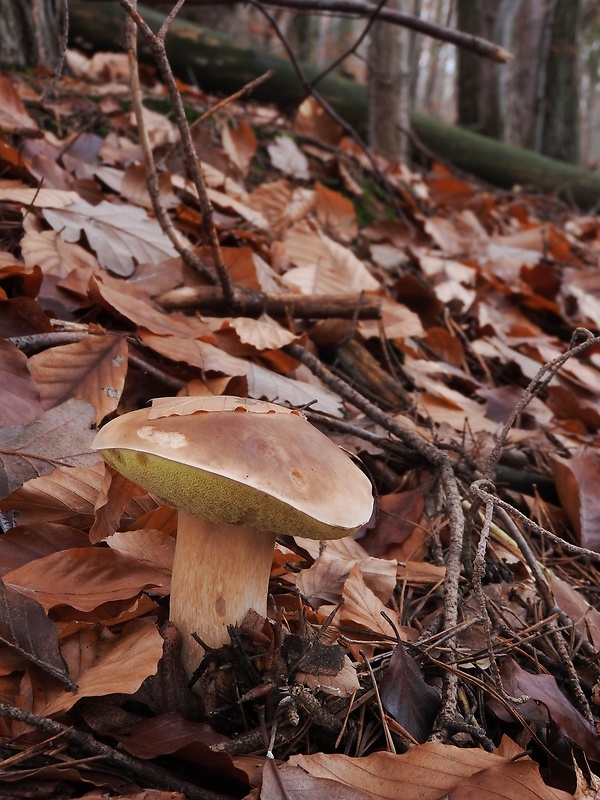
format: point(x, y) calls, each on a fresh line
point(476, 44)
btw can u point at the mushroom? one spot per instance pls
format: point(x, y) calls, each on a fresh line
point(239, 471)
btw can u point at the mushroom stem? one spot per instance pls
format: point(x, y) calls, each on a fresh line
point(220, 572)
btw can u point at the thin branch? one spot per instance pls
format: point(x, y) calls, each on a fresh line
point(539, 382)
point(354, 8)
point(181, 244)
point(144, 772)
point(157, 47)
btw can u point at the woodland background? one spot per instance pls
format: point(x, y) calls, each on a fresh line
point(441, 328)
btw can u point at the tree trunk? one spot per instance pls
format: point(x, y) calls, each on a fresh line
point(468, 19)
point(560, 138)
point(483, 87)
point(28, 33)
point(389, 88)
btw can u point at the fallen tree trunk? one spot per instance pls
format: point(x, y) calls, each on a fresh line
point(221, 64)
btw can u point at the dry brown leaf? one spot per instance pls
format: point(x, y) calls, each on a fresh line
point(120, 235)
point(133, 187)
point(20, 397)
point(13, 113)
point(196, 353)
point(431, 772)
point(226, 203)
point(326, 577)
point(25, 628)
point(362, 608)
point(132, 303)
point(263, 333)
point(240, 144)
point(281, 203)
point(343, 684)
point(66, 494)
point(312, 120)
point(293, 783)
point(61, 435)
point(117, 664)
point(577, 479)
point(335, 213)
point(85, 578)
point(161, 131)
point(54, 255)
point(324, 266)
point(115, 495)
point(264, 383)
point(398, 323)
point(93, 369)
point(24, 543)
point(17, 192)
point(585, 617)
point(155, 547)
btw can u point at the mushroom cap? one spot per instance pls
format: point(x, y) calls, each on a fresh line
point(240, 461)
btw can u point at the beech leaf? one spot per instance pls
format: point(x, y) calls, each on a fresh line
point(93, 369)
point(25, 627)
point(117, 233)
point(62, 435)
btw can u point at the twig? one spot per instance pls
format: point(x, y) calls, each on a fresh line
point(247, 89)
point(156, 43)
point(478, 573)
point(181, 244)
point(539, 382)
point(428, 452)
point(252, 303)
point(354, 8)
point(456, 522)
point(483, 494)
point(145, 772)
point(388, 737)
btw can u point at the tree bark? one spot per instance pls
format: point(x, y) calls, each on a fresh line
point(468, 19)
point(560, 137)
point(389, 88)
point(28, 33)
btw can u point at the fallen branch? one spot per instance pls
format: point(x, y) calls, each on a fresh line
point(252, 303)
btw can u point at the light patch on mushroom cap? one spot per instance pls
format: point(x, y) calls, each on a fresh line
point(171, 439)
point(273, 470)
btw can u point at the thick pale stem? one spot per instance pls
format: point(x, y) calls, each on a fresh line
point(220, 572)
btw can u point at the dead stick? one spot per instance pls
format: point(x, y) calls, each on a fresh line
point(144, 772)
point(253, 303)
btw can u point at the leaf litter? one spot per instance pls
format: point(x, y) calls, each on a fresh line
point(379, 671)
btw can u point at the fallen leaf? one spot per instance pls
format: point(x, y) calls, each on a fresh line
point(85, 578)
point(25, 627)
point(119, 234)
point(20, 397)
point(119, 664)
point(93, 369)
point(62, 435)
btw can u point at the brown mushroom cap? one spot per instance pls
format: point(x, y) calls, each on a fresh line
point(240, 461)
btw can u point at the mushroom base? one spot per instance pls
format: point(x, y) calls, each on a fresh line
point(220, 572)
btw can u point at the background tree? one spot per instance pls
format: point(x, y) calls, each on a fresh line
point(534, 101)
point(391, 53)
point(28, 33)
